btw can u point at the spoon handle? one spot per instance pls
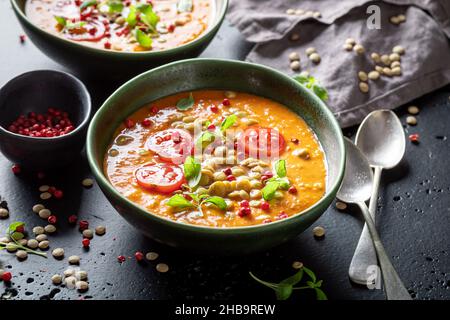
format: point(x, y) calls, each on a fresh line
point(365, 255)
point(393, 285)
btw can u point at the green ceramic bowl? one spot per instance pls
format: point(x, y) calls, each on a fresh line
point(99, 62)
point(215, 74)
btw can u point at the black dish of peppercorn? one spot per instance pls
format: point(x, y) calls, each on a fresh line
point(32, 94)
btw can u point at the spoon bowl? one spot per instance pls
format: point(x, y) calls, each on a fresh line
point(381, 139)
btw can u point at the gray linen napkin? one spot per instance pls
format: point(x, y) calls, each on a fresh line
point(425, 65)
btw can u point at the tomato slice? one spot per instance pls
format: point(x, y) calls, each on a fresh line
point(160, 177)
point(172, 145)
point(91, 31)
point(261, 142)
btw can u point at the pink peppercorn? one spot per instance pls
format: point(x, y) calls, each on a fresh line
point(231, 178)
point(211, 127)
point(414, 138)
point(83, 225)
point(146, 123)
point(292, 190)
point(139, 256)
point(129, 123)
point(121, 258)
point(16, 169)
point(227, 171)
point(58, 194)
point(244, 211)
point(265, 206)
point(86, 242)
point(226, 102)
point(244, 203)
point(7, 276)
point(73, 219)
point(52, 219)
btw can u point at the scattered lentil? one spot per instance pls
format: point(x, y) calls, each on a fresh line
point(69, 272)
point(44, 244)
point(38, 230)
point(295, 37)
point(359, 49)
point(309, 51)
point(70, 281)
point(74, 260)
point(350, 41)
point(413, 110)
point(56, 279)
point(38, 207)
point(58, 253)
point(411, 120)
point(32, 243)
point(4, 213)
point(44, 213)
point(162, 267)
point(341, 205)
point(45, 195)
point(294, 56)
point(314, 57)
point(44, 188)
point(364, 87)
point(100, 230)
point(362, 76)
point(21, 254)
point(82, 285)
point(88, 233)
point(319, 232)
point(50, 228)
point(399, 50)
point(81, 275)
point(297, 265)
point(375, 57)
point(290, 11)
point(373, 75)
point(394, 57)
point(295, 65)
point(41, 237)
point(347, 47)
point(87, 183)
point(151, 256)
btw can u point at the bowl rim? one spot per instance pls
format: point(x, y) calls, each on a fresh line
point(105, 184)
point(121, 54)
point(77, 129)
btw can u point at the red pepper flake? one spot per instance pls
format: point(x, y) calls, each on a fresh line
point(139, 256)
point(7, 276)
point(214, 108)
point(52, 219)
point(226, 102)
point(58, 194)
point(171, 28)
point(231, 178)
point(146, 123)
point(295, 141)
point(414, 138)
point(86, 242)
point(129, 123)
point(292, 190)
point(121, 259)
point(16, 169)
point(107, 45)
point(265, 206)
point(83, 225)
point(244, 211)
point(22, 38)
point(72, 219)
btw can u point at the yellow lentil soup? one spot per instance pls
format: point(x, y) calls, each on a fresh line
point(258, 162)
point(123, 25)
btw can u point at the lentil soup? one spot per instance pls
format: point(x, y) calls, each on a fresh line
point(123, 25)
point(259, 161)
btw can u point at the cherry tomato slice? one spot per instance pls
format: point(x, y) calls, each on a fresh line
point(91, 31)
point(160, 177)
point(261, 142)
point(172, 145)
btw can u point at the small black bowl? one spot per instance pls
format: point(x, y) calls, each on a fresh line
point(36, 91)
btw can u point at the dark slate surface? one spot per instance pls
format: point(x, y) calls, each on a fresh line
point(414, 219)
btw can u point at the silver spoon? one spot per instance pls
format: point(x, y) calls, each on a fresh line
point(381, 139)
point(357, 188)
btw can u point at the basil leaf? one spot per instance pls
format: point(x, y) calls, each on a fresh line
point(179, 202)
point(302, 79)
point(280, 168)
point(88, 3)
point(205, 139)
point(186, 103)
point(61, 20)
point(192, 171)
point(131, 17)
point(283, 291)
point(310, 273)
point(13, 226)
point(150, 18)
point(320, 295)
point(310, 83)
point(115, 6)
point(184, 6)
point(143, 40)
point(228, 122)
point(217, 201)
point(268, 192)
point(293, 280)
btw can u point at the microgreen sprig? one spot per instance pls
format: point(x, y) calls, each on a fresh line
point(15, 233)
point(283, 289)
point(180, 202)
point(279, 181)
point(312, 84)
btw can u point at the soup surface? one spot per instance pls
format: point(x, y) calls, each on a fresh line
point(217, 158)
point(123, 25)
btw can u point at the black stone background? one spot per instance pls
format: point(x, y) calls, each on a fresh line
point(413, 219)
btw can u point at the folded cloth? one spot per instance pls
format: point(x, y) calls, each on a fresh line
point(425, 65)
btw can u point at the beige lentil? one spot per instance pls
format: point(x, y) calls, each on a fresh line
point(341, 205)
point(4, 240)
point(309, 51)
point(38, 207)
point(387, 71)
point(100, 230)
point(23, 242)
point(87, 183)
point(295, 37)
point(362, 76)
point(413, 110)
point(373, 75)
point(399, 50)
point(44, 188)
point(411, 120)
point(151, 256)
point(230, 94)
point(385, 59)
point(359, 49)
point(82, 285)
point(364, 87)
point(38, 230)
point(81, 275)
point(45, 195)
point(4, 213)
point(347, 47)
point(32, 243)
point(395, 64)
point(290, 11)
point(74, 260)
point(297, 265)
point(21, 254)
point(44, 244)
point(295, 65)
point(162, 267)
point(319, 232)
point(375, 57)
point(45, 213)
point(69, 272)
point(50, 228)
point(394, 57)
point(41, 237)
point(56, 279)
point(70, 281)
point(58, 253)
point(88, 233)
point(350, 41)
point(315, 57)
point(397, 71)
point(294, 56)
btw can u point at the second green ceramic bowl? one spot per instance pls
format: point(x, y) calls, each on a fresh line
point(108, 63)
point(215, 74)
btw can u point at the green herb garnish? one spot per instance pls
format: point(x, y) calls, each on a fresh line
point(143, 39)
point(312, 84)
point(184, 6)
point(88, 3)
point(205, 139)
point(148, 16)
point(179, 202)
point(131, 18)
point(217, 201)
point(283, 290)
point(186, 103)
point(61, 20)
point(192, 171)
point(15, 234)
point(279, 181)
point(228, 122)
point(114, 6)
